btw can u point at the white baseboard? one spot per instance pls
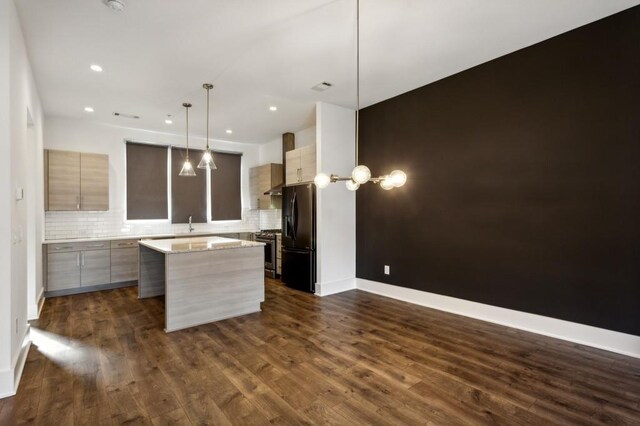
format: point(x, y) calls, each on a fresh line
point(35, 308)
point(601, 338)
point(10, 378)
point(333, 287)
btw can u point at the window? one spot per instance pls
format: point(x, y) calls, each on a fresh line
point(188, 193)
point(148, 170)
point(225, 187)
point(146, 181)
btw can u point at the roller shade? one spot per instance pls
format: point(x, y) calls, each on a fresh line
point(226, 201)
point(146, 181)
point(188, 193)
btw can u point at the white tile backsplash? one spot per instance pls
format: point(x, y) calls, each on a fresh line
point(65, 225)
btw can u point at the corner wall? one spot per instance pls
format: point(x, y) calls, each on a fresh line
point(20, 219)
point(336, 206)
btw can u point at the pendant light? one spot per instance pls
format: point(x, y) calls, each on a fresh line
point(187, 168)
point(361, 173)
point(207, 158)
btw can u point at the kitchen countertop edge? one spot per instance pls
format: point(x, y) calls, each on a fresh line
point(142, 237)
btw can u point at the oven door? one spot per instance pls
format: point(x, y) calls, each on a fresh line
point(269, 252)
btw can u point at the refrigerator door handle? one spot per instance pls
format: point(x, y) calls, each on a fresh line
point(294, 214)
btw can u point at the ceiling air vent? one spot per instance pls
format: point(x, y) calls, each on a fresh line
point(117, 5)
point(321, 87)
point(119, 114)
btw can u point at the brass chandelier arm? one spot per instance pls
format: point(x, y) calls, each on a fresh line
point(336, 178)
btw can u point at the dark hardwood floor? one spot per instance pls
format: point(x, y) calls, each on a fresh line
point(352, 358)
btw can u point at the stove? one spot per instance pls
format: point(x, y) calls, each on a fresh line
point(268, 237)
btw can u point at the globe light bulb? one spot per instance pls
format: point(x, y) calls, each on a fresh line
point(398, 178)
point(386, 184)
point(322, 180)
point(351, 185)
point(361, 174)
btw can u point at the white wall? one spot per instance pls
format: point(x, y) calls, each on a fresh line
point(78, 135)
point(84, 136)
point(20, 220)
point(336, 206)
point(5, 205)
point(272, 152)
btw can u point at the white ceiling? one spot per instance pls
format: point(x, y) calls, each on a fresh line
point(157, 53)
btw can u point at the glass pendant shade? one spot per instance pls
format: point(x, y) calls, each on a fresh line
point(361, 174)
point(386, 184)
point(207, 158)
point(398, 178)
point(187, 169)
point(322, 180)
point(351, 185)
point(207, 161)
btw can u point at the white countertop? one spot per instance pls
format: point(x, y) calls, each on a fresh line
point(142, 236)
point(188, 245)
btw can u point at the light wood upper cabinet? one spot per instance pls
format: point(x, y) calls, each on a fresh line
point(261, 180)
point(94, 182)
point(301, 165)
point(63, 180)
point(76, 181)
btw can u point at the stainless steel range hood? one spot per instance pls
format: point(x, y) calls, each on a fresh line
point(276, 190)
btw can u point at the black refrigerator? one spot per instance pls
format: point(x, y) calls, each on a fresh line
point(299, 237)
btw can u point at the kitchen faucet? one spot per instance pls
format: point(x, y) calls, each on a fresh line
point(191, 228)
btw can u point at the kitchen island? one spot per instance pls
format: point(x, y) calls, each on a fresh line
point(203, 279)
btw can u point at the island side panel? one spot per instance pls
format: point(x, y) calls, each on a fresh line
point(208, 286)
point(151, 278)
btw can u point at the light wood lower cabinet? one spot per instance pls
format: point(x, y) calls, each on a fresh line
point(124, 264)
point(74, 269)
point(279, 254)
point(95, 267)
point(73, 266)
point(63, 271)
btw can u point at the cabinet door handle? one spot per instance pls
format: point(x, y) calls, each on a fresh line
point(63, 248)
point(78, 259)
point(95, 245)
point(77, 202)
point(124, 244)
point(82, 255)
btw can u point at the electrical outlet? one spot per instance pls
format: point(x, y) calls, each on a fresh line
point(387, 270)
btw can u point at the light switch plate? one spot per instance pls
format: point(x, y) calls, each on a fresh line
point(387, 270)
point(19, 194)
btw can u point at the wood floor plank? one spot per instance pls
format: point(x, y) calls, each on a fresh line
point(350, 358)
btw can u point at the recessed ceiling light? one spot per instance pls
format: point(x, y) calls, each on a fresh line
point(273, 108)
point(168, 121)
point(88, 109)
point(96, 68)
point(229, 131)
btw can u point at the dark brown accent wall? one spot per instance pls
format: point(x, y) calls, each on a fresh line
point(524, 181)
